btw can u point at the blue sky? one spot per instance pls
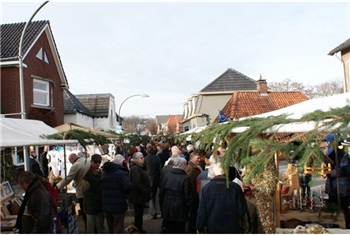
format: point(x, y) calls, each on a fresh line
point(171, 50)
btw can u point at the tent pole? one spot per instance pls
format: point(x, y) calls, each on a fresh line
point(66, 191)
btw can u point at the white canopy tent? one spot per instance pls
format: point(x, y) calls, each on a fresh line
point(26, 132)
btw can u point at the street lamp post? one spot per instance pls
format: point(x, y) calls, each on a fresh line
point(120, 107)
point(21, 79)
point(20, 61)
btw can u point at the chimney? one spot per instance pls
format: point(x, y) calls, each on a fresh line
point(261, 86)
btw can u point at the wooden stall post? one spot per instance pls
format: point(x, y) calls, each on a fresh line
point(277, 197)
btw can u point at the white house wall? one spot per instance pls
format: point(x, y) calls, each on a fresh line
point(211, 104)
point(101, 124)
point(79, 119)
point(110, 122)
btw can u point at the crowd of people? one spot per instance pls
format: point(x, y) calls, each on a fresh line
point(191, 184)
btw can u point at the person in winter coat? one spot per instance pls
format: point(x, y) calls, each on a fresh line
point(175, 196)
point(152, 163)
point(140, 193)
point(39, 213)
point(44, 162)
point(34, 165)
point(80, 165)
point(339, 179)
point(93, 196)
point(115, 185)
point(203, 178)
point(164, 171)
point(221, 207)
point(164, 154)
point(193, 169)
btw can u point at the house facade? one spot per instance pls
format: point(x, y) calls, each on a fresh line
point(173, 125)
point(202, 108)
point(161, 120)
point(344, 50)
point(44, 80)
point(101, 108)
point(76, 112)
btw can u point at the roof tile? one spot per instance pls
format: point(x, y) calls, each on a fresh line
point(230, 80)
point(249, 103)
point(97, 104)
point(11, 34)
point(73, 105)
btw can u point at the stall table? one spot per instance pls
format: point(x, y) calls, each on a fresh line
point(295, 217)
point(330, 230)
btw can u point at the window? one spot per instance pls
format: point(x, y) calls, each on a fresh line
point(17, 156)
point(42, 55)
point(41, 92)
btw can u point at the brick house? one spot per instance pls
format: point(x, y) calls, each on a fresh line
point(44, 77)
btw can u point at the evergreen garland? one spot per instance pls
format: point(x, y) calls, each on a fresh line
point(83, 137)
point(255, 147)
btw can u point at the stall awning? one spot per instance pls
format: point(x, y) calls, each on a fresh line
point(26, 132)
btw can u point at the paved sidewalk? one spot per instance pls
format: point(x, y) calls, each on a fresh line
point(151, 226)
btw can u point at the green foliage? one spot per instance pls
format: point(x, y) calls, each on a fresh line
point(7, 167)
point(136, 139)
point(253, 141)
point(84, 137)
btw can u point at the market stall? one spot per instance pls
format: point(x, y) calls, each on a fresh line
point(24, 133)
point(256, 142)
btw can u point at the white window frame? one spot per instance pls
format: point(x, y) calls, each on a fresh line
point(41, 92)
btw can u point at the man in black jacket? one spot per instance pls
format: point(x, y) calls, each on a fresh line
point(152, 163)
point(221, 207)
point(115, 186)
point(93, 196)
point(33, 164)
point(175, 196)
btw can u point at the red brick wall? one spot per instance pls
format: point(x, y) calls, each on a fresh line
point(10, 90)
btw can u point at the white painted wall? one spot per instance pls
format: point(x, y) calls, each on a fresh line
point(79, 119)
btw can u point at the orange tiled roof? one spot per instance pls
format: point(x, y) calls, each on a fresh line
point(173, 123)
point(249, 103)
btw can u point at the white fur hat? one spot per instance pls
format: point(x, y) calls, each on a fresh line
point(190, 147)
point(217, 169)
point(117, 159)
